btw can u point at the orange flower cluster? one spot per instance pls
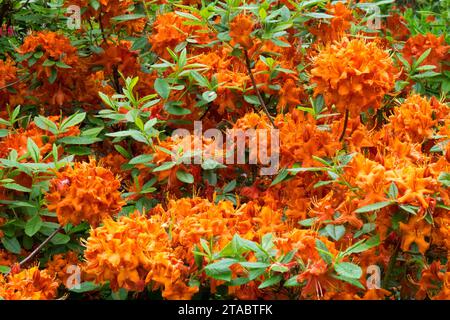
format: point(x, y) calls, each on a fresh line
point(417, 45)
point(170, 29)
point(133, 252)
point(62, 267)
point(85, 192)
point(53, 48)
point(28, 284)
point(414, 120)
point(353, 75)
point(337, 26)
point(8, 72)
point(44, 139)
point(396, 25)
point(240, 29)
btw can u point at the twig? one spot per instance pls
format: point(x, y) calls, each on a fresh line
point(36, 251)
point(391, 265)
point(252, 78)
point(116, 79)
point(100, 23)
point(4, 9)
point(13, 83)
point(345, 125)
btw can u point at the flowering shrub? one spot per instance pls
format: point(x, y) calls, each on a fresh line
point(107, 190)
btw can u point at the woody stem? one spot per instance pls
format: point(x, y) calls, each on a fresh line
point(391, 265)
point(345, 125)
point(36, 251)
point(258, 94)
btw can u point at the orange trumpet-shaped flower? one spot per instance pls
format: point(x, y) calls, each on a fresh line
point(415, 231)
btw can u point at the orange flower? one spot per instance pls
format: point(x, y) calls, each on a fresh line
point(417, 45)
point(337, 26)
point(416, 231)
point(240, 29)
point(18, 140)
point(7, 73)
point(60, 264)
point(414, 185)
point(28, 284)
point(354, 75)
point(85, 192)
point(416, 117)
point(53, 47)
point(133, 252)
point(290, 95)
point(300, 139)
point(171, 29)
point(396, 24)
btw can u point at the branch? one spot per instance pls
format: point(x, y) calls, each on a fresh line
point(252, 78)
point(13, 83)
point(36, 251)
point(345, 125)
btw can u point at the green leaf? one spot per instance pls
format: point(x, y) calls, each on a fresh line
point(292, 282)
point(252, 100)
point(17, 187)
point(323, 252)
point(11, 244)
point(210, 164)
point(220, 270)
point(60, 239)
point(318, 15)
point(128, 17)
point(352, 281)
point(307, 222)
point(393, 191)
point(229, 187)
point(162, 88)
point(176, 110)
point(185, 177)
point(73, 120)
point(209, 96)
point(271, 281)
point(46, 124)
point(122, 151)
point(33, 149)
point(374, 206)
point(5, 269)
point(280, 177)
point(426, 74)
point(362, 245)
point(33, 225)
point(143, 158)
point(348, 270)
point(444, 179)
point(79, 150)
point(79, 140)
point(85, 287)
point(94, 4)
point(409, 208)
point(62, 65)
point(335, 231)
point(422, 57)
point(165, 166)
point(53, 75)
